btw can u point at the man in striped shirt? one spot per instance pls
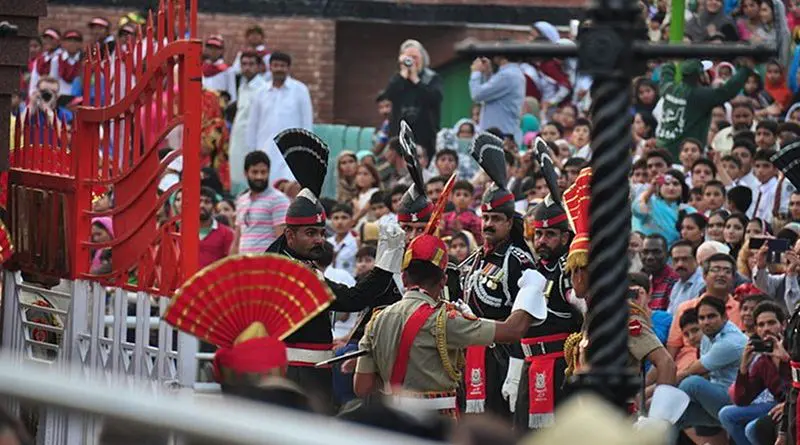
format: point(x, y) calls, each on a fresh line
point(260, 211)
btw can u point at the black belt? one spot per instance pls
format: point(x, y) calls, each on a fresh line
point(535, 349)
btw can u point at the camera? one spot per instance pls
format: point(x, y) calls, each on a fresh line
point(408, 62)
point(46, 95)
point(760, 345)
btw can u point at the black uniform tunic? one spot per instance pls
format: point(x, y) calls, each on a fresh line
point(490, 288)
point(562, 318)
point(319, 381)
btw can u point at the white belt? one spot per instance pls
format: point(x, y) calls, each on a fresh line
point(308, 355)
point(416, 404)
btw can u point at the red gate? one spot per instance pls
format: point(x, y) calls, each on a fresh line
point(133, 98)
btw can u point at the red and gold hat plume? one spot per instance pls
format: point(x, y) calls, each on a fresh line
point(237, 294)
point(429, 246)
point(577, 199)
point(6, 244)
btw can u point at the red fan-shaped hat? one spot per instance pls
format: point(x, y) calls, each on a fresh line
point(577, 198)
point(248, 296)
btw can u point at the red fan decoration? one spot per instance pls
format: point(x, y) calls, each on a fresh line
point(226, 298)
point(6, 245)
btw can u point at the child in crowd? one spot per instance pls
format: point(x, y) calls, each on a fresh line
point(581, 138)
point(344, 242)
point(713, 196)
point(446, 161)
point(365, 261)
point(690, 328)
point(463, 218)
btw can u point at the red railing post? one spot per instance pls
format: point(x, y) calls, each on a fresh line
point(84, 150)
point(191, 89)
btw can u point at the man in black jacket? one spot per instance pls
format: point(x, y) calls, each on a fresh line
point(303, 240)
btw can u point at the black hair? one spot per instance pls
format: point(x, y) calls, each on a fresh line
point(757, 298)
point(764, 155)
point(714, 302)
point(731, 158)
point(769, 306)
point(558, 126)
point(326, 258)
point(379, 197)
point(768, 125)
point(741, 196)
point(583, 122)
point(688, 317)
point(742, 104)
point(660, 153)
point(639, 279)
point(658, 237)
point(208, 192)
point(279, 56)
point(463, 184)
point(719, 257)
point(364, 251)
point(681, 243)
point(707, 162)
point(745, 143)
point(715, 183)
point(699, 220)
point(341, 207)
point(575, 162)
point(436, 179)
point(394, 145)
point(423, 273)
point(640, 164)
point(254, 158)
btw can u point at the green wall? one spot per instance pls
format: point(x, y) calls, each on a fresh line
point(457, 103)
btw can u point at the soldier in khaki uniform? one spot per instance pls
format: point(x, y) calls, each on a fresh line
point(642, 341)
point(415, 347)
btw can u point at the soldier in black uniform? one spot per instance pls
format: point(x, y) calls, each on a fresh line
point(302, 240)
point(495, 276)
point(543, 345)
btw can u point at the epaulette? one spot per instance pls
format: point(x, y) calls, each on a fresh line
point(521, 255)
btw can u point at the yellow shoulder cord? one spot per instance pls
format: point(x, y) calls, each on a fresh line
point(441, 347)
point(571, 352)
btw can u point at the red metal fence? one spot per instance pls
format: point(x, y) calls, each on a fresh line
point(133, 98)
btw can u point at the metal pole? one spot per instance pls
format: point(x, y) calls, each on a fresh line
point(676, 21)
point(607, 53)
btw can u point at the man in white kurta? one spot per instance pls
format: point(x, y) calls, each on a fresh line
point(284, 104)
point(251, 89)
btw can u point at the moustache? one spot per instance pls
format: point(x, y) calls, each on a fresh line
point(488, 230)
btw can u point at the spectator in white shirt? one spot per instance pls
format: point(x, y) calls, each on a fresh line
point(256, 41)
point(744, 150)
point(767, 175)
point(250, 89)
point(284, 104)
point(344, 243)
point(691, 277)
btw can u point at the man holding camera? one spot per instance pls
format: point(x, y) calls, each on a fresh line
point(763, 374)
point(499, 85)
point(43, 107)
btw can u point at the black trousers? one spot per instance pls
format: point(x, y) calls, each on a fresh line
point(317, 383)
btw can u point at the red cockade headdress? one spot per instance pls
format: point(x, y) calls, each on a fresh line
point(246, 306)
point(577, 199)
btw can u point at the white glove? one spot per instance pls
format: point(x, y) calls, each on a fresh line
point(531, 297)
point(511, 385)
point(464, 308)
point(391, 247)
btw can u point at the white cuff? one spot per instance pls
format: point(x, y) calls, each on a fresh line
point(531, 297)
point(514, 369)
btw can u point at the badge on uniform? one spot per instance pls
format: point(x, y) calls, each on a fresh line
point(634, 328)
point(548, 288)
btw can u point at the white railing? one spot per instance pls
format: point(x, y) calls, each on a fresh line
point(228, 421)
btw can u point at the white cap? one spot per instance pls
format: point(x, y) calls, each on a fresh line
point(707, 65)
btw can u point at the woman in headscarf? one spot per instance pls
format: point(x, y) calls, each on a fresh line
point(102, 232)
point(346, 169)
point(709, 21)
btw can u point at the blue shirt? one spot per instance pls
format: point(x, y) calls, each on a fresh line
point(502, 96)
point(721, 354)
point(686, 290)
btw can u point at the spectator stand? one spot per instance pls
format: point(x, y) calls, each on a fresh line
point(108, 323)
point(338, 138)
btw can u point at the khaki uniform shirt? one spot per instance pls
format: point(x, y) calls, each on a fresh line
point(425, 372)
point(641, 340)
